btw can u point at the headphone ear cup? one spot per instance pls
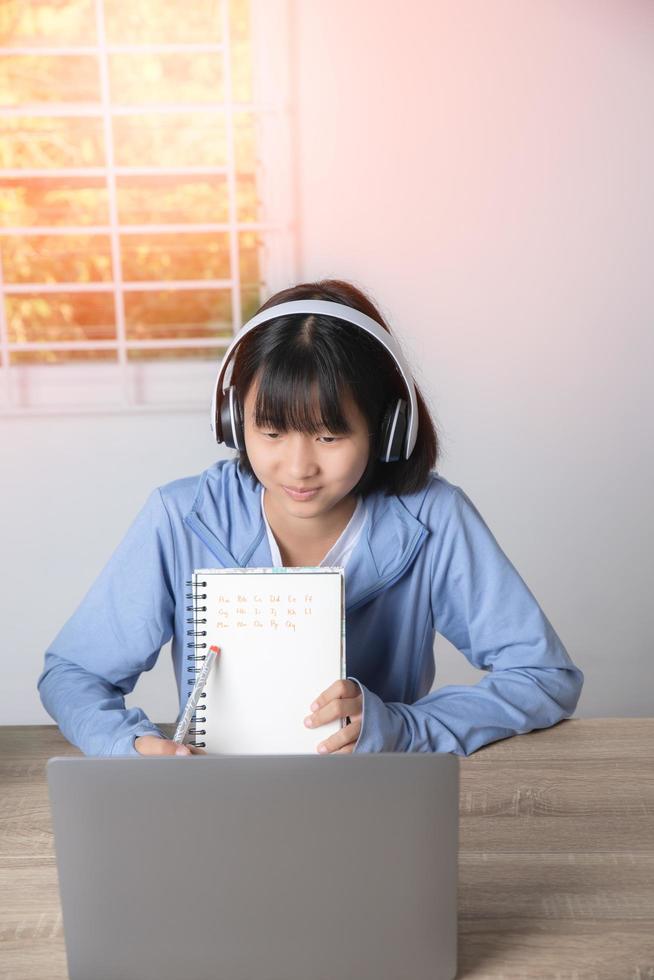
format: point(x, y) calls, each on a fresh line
point(393, 431)
point(238, 424)
point(231, 420)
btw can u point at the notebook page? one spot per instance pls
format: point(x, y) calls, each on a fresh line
point(281, 634)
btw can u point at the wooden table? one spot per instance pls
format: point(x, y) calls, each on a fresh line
point(556, 862)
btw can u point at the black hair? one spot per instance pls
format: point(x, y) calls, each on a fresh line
point(291, 354)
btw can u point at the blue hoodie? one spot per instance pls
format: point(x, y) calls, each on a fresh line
point(425, 562)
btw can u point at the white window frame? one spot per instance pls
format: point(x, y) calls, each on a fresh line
point(135, 387)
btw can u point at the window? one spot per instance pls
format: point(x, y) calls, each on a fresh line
point(145, 195)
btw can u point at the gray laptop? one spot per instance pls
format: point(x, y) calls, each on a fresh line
point(242, 867)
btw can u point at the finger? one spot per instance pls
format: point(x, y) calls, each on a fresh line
point(155, 745)
point(339, 689)
point(346, 736)
point(185, 749)
point(164, 746)
point(339, 708)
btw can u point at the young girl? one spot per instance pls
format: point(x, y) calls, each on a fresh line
point(316, 399)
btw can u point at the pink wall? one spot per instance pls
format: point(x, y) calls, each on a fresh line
point(484, 169)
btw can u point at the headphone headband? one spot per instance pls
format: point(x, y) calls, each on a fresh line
point(340, 312)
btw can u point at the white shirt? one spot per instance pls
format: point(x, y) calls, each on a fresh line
point(340, 551)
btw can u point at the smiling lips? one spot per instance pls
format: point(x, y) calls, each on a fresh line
point(301, 494)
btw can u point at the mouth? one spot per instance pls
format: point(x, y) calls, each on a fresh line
point(306, 494)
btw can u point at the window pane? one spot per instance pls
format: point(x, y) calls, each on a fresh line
point(249, 245)
point(251, 300)
point(61, 316)
point(171, 313)
point(239, 20)
point(247, 198)
point(242, 90)
point(58, 141)
point(53, 201)
point(56, 258)
point(245, 142)
point(241, 50)
point(161, 257)
point(27, 78)
point(168, 200)
point(173, 78)
point(55, 22)
point(248, 204)
point(178, 21)
point(61, 356)
point(170, 140)
point(152, 139)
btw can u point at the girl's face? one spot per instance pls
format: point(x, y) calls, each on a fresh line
point(332, 465)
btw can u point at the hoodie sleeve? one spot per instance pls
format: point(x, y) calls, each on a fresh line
point(116, 633)
point(484, 608)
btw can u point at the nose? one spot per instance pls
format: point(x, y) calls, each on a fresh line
point(301, 463)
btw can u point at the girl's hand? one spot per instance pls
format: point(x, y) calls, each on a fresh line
point(154, 745)
point(342, 700)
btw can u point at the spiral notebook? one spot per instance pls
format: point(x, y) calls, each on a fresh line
point(281, 634)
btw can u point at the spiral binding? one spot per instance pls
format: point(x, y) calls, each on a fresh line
point(196, 659)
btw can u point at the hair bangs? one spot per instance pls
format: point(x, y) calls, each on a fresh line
point(302, 395)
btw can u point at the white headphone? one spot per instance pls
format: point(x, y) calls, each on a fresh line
point(399, 433)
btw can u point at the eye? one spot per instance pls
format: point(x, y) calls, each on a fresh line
point(330, 438)
point(271, 435)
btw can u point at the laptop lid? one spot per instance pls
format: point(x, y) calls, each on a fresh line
point(268, 867)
